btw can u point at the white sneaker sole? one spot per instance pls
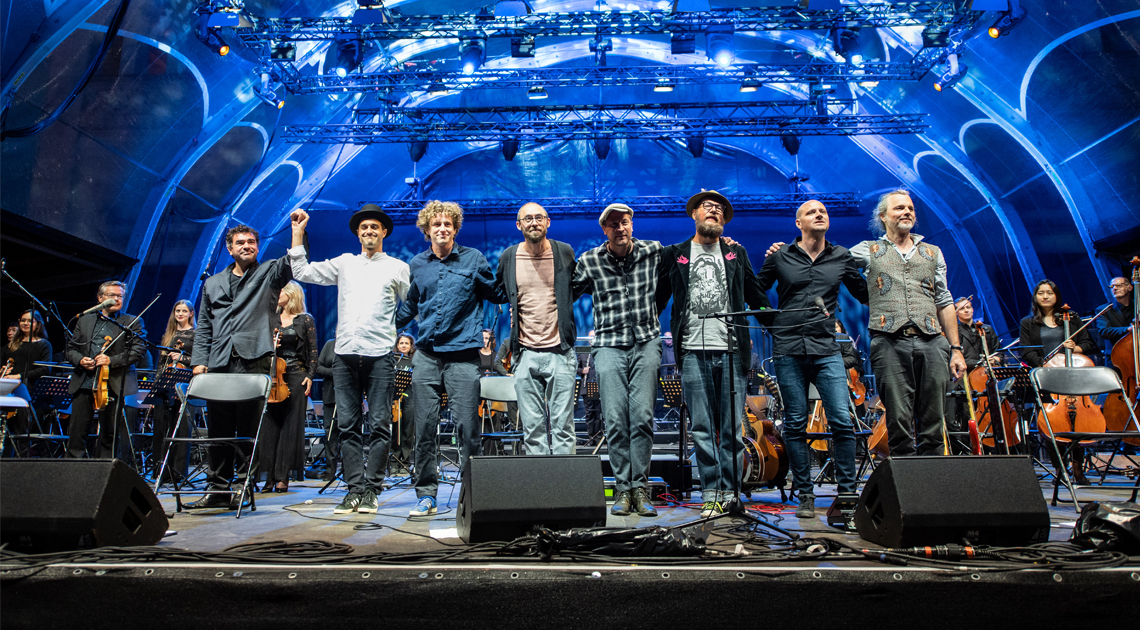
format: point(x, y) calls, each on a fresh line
point(428, 513)
point(340, 511)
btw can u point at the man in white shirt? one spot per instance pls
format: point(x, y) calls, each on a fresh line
point(370, 286)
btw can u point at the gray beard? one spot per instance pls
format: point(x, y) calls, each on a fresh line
point(534, 237)
point(706, 230)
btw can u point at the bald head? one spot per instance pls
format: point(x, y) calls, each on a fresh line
point(812, 219)
point(808, 204)
point(530, 208)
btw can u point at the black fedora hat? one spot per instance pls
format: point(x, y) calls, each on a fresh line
point(696, 200)
point(370, 211)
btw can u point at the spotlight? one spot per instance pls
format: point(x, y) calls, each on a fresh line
point(601, 147)
point(347, 53)
point(522, 47)
point(210, 37)
point(953, 74)
point(682, 43)
point(436, 89)
point(791, 143)
point(1008, 20)
point(750, 85)
point(599, 46)
point(510, 148)
point(472, 53)
point(719, 46)
point(935, 37)
point(417, 149)
point(696, 145)
point(536, 93)
point(664, 85)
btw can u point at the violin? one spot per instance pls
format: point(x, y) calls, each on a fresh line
point(279, 390)
point(102, 375)
point(856, 386)
point(1070, 413)
point(169, 361)
point(1124, 353)
point(1005, 433)
point(7, 369)
point(817, 423)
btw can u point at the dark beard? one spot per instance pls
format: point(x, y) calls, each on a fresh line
point(534, 237)
point(706, 230)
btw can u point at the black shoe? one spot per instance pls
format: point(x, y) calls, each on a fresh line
point(621, 504)
point(642, 504)
point(350, 504)
point(807, 506)
point(212, 500)
point(1080, 479)
point(368, 502)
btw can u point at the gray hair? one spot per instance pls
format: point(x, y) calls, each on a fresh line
point(878, 228)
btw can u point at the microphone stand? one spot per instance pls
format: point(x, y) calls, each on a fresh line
point(736, 506)
point(118, 411)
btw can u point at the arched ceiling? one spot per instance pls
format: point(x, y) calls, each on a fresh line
point(1028, 168)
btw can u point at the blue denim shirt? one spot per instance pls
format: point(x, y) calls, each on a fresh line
point(447, 296)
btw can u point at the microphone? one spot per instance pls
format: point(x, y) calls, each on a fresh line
point(819, 304)
point(107, 303)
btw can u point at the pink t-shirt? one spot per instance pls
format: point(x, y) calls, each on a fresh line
point(538, 310)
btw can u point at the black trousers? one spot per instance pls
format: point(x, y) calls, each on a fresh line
point(233, 420)
point(913, 373)
point(82, 415)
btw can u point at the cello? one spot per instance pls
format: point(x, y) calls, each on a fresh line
point(981, 380)
point(1124, 353)
point(1070, 413)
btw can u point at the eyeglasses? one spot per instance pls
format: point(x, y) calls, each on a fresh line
point(534, 218)
point(1118, 285)
point(710, 206)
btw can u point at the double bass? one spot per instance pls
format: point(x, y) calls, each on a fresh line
point(981, 379)
point(1124, 353)
point(765, 454)
point(1070, 413)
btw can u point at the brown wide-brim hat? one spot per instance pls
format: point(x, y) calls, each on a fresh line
point(370, 211)
point(696, 200)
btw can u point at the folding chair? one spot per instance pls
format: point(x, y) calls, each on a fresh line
point(499, 389)
point(1083, 381)
point(219, 388)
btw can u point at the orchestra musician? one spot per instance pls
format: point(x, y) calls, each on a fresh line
point(404, 438)
point(27, 346)
point(179, 334)
point(281, 448)
point(957, 412)
point(1042, 332)
point(1116, 321)
point(85, 352)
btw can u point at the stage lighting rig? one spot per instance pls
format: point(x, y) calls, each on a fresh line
point(472, 53)
point(955, 70)
point(682, 43)
point(1008, 20)
point(417, 150)
point(845, 43)
point(791, 143)
point(510, 148)
point(283, 52)
point(720, 45)
point(750, 85)
point(536, 93)
point(209, 36)
point(664, 85)
point(522, 47)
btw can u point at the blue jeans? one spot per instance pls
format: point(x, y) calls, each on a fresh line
point(793, 373)
point(356, 375)
point(434, 373)
point(627, 386)
point(545, 380)
point(704, 376)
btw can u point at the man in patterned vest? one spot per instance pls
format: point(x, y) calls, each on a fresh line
point(914, 328)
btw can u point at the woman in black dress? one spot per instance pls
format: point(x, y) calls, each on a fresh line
point(28, 346)
point(404, 436)
point(1042, 333)
point(281, 446)
point(179, 335)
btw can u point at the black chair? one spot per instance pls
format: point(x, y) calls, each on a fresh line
point(220, 388)
point(1083, 381)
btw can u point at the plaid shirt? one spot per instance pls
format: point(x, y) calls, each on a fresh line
point(625, 311)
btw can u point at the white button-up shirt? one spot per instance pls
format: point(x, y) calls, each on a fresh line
point(369, 291)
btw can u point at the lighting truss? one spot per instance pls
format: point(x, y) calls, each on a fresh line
point(570, 122)
point(605, 76)
point(948, 14)
point(838, 204)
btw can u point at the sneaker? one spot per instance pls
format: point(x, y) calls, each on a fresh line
point(425, 507)
point(807, 506)
point(622, 504)
point(350, 504)
point(368, 502)
point(642, 504)
point(711, 508)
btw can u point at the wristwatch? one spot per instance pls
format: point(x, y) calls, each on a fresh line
point(958, 348)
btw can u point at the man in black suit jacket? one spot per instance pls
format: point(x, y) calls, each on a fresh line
point(85, 351)
point(704, 276)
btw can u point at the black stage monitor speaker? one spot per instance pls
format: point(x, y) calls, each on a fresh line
point(50, 504)
point(917, 501)
point(505, 497)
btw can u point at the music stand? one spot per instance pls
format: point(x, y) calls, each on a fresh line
point(51, 391)
point(169, 377)
point(673, 395)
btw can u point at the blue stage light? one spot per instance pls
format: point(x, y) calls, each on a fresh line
point(720, 47)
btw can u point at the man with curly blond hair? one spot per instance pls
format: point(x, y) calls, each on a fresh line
point(448, 286)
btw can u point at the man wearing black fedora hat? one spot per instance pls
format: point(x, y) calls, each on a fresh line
point(370, 287)
point(705, 276)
